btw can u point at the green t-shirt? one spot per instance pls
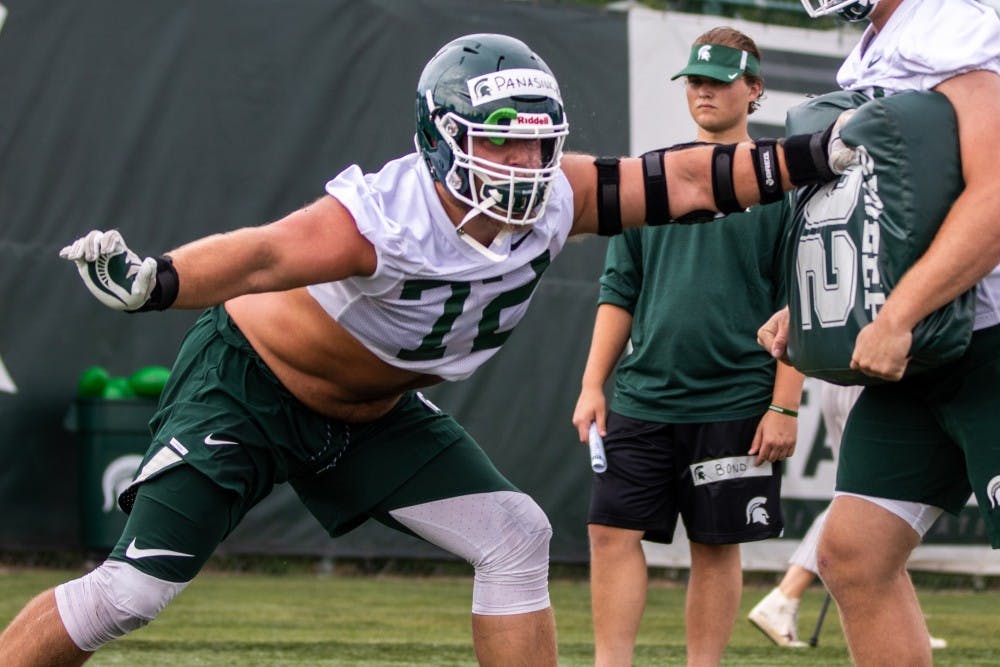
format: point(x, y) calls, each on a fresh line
point(697, 294)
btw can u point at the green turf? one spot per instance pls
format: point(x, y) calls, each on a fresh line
point(250, 620)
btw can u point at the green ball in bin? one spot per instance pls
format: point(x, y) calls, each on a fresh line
point(149, 380)
point(92, 382)
point(118, 387)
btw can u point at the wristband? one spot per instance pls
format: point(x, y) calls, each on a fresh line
point(782, 411)
point(167, 284)
point(807, 157)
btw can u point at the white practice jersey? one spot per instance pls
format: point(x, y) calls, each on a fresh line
point(435, 304)
point(924, 43)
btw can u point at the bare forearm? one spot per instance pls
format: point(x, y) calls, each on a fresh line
point(612, 328)
point(219, 267)
point(787, 387)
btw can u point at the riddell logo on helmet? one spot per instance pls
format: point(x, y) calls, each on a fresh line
point(532, 119)
point(511, 82)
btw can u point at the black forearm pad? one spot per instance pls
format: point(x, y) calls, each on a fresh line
point(167, 284)
point(609, 210)
point(765, 167)
point(807, 157)
point(654, 181)
point(722, 179)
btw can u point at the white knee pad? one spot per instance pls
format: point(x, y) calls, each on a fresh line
point(504, 535)
point(111, 601)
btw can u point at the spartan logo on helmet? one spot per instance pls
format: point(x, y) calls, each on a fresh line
point(482, 88)
point(993, 492)
point(757, 512)
point(116, 478)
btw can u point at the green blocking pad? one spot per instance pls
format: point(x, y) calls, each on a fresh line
point(853, 239)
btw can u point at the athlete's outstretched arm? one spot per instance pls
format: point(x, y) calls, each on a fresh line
point(662, 186)
point(317, 243)
point(967, 245)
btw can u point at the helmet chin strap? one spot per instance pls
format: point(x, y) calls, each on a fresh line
point(492, 200)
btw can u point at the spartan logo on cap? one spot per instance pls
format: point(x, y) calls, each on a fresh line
point(705, 53)
point(993, 491)
point(756, 512)
point(116, 478)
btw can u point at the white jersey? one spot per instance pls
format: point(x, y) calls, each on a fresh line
point(924, 43)
point(435, 304)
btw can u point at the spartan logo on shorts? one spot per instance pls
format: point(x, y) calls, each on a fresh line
point(757, 512)
point(993, 491)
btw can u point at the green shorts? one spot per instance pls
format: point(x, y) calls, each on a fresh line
point(224, 415)
point(933, 438)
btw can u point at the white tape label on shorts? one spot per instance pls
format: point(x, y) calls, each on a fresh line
point(732, 467)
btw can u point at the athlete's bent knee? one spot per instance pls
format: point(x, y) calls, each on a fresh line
point(512, 577)
point(110, 602)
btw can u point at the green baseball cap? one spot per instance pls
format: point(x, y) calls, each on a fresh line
point(722, 63)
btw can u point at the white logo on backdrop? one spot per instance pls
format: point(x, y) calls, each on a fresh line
point(6, 382)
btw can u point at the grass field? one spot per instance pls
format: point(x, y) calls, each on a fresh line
point(251, 620)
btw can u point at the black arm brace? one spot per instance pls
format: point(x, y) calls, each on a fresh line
point(765, 167)
point(722, 179)
point(654, 182)
point(609, 210)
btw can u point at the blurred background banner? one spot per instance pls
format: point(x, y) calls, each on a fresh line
point(173, 119)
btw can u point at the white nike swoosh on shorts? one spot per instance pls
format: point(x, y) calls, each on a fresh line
point(135, 553)
point(211, 441)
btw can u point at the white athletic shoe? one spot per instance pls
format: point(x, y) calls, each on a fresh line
point(777, 617)
point(937, 642)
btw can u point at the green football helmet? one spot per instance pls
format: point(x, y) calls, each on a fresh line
point(490, 86)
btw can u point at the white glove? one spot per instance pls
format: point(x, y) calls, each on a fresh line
point(842, 156)
point(113, 273)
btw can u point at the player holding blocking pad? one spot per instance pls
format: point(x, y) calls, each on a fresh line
point(920, 440)
point(321, 326)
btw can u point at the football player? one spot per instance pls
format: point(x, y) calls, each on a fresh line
point(320, 327)
point(918, 446)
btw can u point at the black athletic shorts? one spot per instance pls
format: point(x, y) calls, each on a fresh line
point(700, 471)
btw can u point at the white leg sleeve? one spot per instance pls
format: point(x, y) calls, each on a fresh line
point(110, 602)
point(805, 554)
point(504, 535)
point(919, 516)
